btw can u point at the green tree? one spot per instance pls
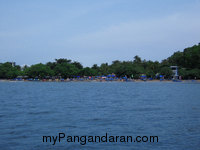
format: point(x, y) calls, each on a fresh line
point(166, 71)
point(39, 70)
point(65, 70)
point(87, 72)
point(7, 71)
point(77, 65)
point(63, 60)
point(137, 60)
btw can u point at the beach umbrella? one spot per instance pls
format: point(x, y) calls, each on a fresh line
point(143, 76)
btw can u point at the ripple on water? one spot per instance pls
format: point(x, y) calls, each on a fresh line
point(30, 110)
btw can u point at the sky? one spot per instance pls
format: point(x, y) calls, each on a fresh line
point(96, 31)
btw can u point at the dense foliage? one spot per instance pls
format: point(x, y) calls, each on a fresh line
point(188, 62)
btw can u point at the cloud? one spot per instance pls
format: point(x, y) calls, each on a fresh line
point(151, 38)
point(98, 33)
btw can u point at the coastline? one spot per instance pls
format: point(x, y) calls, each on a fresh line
point(131, 80)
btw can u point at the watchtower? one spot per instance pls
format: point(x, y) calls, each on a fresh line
point(175, 71)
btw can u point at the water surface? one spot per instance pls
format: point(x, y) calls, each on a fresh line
point(30, 110)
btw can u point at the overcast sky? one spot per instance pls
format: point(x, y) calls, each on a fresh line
point(96, 31)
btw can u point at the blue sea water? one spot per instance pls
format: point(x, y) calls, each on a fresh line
point(31, 110)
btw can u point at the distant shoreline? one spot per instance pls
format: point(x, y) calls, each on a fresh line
point(132, 80)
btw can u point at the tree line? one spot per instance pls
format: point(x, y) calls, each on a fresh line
point(188, 62)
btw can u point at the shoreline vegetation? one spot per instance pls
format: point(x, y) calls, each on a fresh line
point(99, 80)
point(64, 70)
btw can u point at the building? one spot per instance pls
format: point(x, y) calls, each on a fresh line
point(13, 64)
point(175, 71)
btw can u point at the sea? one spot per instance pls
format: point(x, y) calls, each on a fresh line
point(34, 114)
